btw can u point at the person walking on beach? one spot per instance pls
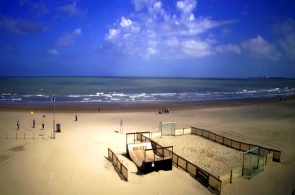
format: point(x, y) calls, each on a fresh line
point(17, 125)
point(34, 123)
point(76, 118)
point(43, 125)
point(121, 125)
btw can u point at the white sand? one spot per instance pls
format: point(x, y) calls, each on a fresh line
point(76, 161)
point(210, 156)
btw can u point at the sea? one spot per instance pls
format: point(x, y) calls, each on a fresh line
point(105, 90)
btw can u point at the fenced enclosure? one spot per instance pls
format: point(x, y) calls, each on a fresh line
point(236, 144)
point(253, 163)
point(120, 168)
point(205, 178)
point(167, 128)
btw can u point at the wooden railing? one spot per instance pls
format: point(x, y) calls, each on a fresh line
point(121, 169)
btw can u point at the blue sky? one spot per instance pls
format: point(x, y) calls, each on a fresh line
point(183, 38)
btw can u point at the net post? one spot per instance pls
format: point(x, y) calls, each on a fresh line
point(160, 127)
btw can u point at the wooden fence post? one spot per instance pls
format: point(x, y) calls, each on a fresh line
point(231, 176)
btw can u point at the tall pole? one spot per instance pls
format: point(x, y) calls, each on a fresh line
point(53, 132)
point(121, 126)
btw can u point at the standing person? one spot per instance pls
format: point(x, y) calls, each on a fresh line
point(17, 125)
point(43, 125)
point(121, 126)
point(76, 117)
point(34, 123)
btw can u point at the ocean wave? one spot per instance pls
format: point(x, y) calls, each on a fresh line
point(5, 94)
point(16, 99)
point(108, 97)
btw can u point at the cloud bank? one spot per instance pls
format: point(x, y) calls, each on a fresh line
point(287, 42)
point(156, 31)
point(260, 48)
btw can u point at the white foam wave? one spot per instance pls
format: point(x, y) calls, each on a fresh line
point(16, 99)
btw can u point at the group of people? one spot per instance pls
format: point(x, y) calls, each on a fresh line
point(164, 110)
point(43, 124)
point(33, 124)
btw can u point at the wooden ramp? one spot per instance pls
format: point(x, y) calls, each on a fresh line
point(146, 160)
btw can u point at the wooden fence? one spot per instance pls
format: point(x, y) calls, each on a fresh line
point(120, 168)
point(241, 146)
point(199, 174)
point(26, 135)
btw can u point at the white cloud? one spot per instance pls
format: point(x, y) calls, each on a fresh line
point(228, 48)
point(53, 51)
point(156, 8)
point(286, 27)
point(125, 22)
point(141, 4)
point(150, 51)
point(71, 9)
point(287, 42)
point(77, 32)
point(195, 48)
point(186, 6)
point(113, 33)
point(69, 38)
point(155, 32)
point(260, 48)
point(172, 42)
point(288, 45)
point(158, 5)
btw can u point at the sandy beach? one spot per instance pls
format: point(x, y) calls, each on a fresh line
point(75, 162)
